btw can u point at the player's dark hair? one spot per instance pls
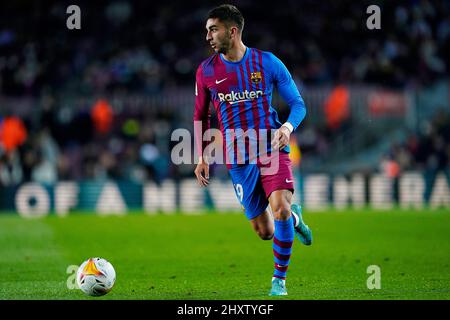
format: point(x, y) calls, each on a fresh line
point(228, 14)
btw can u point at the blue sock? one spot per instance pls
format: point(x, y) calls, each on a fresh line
point(282, 246)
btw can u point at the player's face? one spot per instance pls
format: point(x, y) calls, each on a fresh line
point(218, 36)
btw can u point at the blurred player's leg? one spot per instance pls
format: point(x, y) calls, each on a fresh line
point(263, 225)
point(302, 231)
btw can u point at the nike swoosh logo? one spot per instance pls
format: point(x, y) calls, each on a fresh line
point(220, 81)
point(289, 181)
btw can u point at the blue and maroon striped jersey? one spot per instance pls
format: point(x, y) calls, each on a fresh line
point(241, 93)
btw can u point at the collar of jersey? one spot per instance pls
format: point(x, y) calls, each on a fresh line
point(247, 51)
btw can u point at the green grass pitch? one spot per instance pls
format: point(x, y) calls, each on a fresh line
point(218, 256)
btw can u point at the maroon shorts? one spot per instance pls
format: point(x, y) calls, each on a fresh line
point(277, 177)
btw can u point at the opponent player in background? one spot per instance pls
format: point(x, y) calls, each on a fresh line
point(239, 80)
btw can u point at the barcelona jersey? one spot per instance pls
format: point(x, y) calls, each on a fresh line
point(241, 93)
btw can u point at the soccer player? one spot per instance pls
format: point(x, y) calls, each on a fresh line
point(239, 80)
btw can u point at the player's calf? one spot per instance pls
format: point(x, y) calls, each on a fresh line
point(263, 225)
point(280, 202)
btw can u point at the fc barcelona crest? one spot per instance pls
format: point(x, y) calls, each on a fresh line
point(256, 77)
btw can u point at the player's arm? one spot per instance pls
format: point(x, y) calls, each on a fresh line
point(202, 117)
point(289, 92)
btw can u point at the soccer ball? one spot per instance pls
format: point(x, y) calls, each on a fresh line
point(96, 277)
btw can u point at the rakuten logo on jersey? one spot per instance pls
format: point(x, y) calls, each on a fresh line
point(235, 97)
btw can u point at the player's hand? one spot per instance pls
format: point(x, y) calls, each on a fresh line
point(281, 138)
point(202, 173)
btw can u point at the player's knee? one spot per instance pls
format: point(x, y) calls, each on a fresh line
point(265, 234)
point(282, 212)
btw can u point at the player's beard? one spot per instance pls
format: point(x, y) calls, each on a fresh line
point(225, 44)
point(222, 50)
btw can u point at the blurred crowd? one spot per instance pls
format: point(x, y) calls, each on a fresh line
point(95, 143)
point(146, 48)
point(427, 150)
point(151, 46)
